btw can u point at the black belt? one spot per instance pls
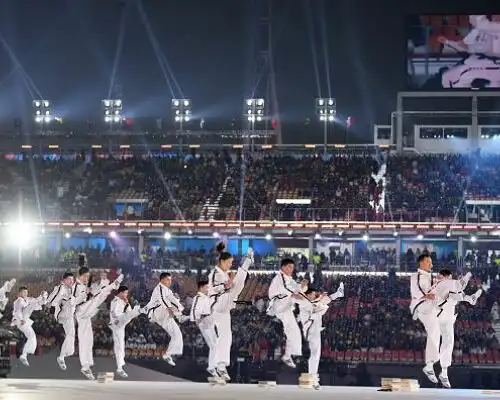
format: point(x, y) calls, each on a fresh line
point(418, 305)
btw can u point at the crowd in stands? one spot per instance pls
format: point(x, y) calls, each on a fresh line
point(372, 322)
point(209, 185)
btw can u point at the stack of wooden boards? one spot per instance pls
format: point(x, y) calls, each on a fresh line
point(267, 384)
point(400, 385)
point(306, 381)
point(105, 377)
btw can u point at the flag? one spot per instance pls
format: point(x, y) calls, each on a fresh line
point(350, 122)
point(60, 120)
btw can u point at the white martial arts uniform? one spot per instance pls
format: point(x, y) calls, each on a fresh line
point(23, 308)
point(223, 301)
point(64, 303)
point(281, 305)
point(161, 300)
point(4, 291)
point(421, 283)
point(84, 312)
point(449, 292)
point(311, 317)
point(201, 314)
point(120, 314)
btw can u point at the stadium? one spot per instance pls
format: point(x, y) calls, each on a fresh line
point(352, 200)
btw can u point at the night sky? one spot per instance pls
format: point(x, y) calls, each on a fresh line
point(67, 48)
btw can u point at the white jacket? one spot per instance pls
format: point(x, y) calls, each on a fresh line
point(23, 308)
point(201, 311)
point(281, 289)
point(120, 312)
point(421, 283)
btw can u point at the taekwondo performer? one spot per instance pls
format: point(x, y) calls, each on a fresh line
point(202, 315)
point(64, 304)
point(282, 303)
point(4, 291)
point(85, 310)
point(423, 307)
point(449, 292)
point(224, 289)
point(23, 308)
point(121, 313)
point(96, 287)
point(313, 305)
point(163, 309)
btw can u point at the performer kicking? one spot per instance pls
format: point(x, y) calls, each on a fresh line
point(423, 307)
point(96, 287)
point(64, 304)
point(121, 313)
point(224, 290)
point(163, 309)
point(282, 302)
point(4, 291)
point(449, 293)
point(85, 310)
point(23, 308)
point(202, 316)
point(313, 305)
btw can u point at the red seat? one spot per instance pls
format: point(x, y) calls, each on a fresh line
point(473, 359)
point(340, 356)
point(395, 356)
point(457, 360)
point(465, 359)
point(372, 356)
point(379, 356)
point(387, 355)
point(348, 355)
point(363, 356)
point(490, 359)
point(419, 358)
point(355, 355)
point(482, 358)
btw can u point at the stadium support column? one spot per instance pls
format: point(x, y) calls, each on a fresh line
point(140, 245)
point(398, 254)
point(460, 248)
point(399, 124)
point(311, 247)
point(474, 140)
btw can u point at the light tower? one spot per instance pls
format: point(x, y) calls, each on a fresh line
point(42, 112)
point(182, 112)
point(113, 109)
point(326, 108)
point(254, 111)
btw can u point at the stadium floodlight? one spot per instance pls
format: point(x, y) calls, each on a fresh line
point(42, 111)
point(113, 109)
point(182, 111)
point(326, 108)
point(254, 110)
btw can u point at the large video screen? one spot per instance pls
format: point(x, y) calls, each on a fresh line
point(453, 52)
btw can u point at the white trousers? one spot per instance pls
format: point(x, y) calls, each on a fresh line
point(118, 332)
point(176, 344)
point(211, 341)
point(447, 330)
point(431, 325)
point(224, 339)
point(29, 333)
point(312, 333)
point(225, 302)
point(68, 346)
point(84, 314)
point(293, 345)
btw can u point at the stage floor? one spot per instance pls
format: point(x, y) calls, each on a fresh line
point(27, 389)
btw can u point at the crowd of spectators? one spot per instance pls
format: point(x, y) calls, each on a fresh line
point(209, 185)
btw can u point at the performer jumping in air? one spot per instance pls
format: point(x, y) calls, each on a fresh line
point(85, 310)
point(23, 308)
point(224, 290)
point(201, 314)
point(423, 307)
point(282, 302)
point(64, 305)
point(449, 292)
point(4, 291)
point(163, 309)
point(121, 313)
point(313, 305)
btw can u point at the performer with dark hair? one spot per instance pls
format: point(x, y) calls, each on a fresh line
point(201, 314)
point(224, 289)
point(23, 308)
point(120, 315)
point(64, 304)
point(163, 309)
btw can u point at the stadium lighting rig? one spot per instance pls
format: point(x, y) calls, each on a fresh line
point(42, 111)
point(182, 110)
point(326, 108)
point(254, 110)
point(113, 109)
